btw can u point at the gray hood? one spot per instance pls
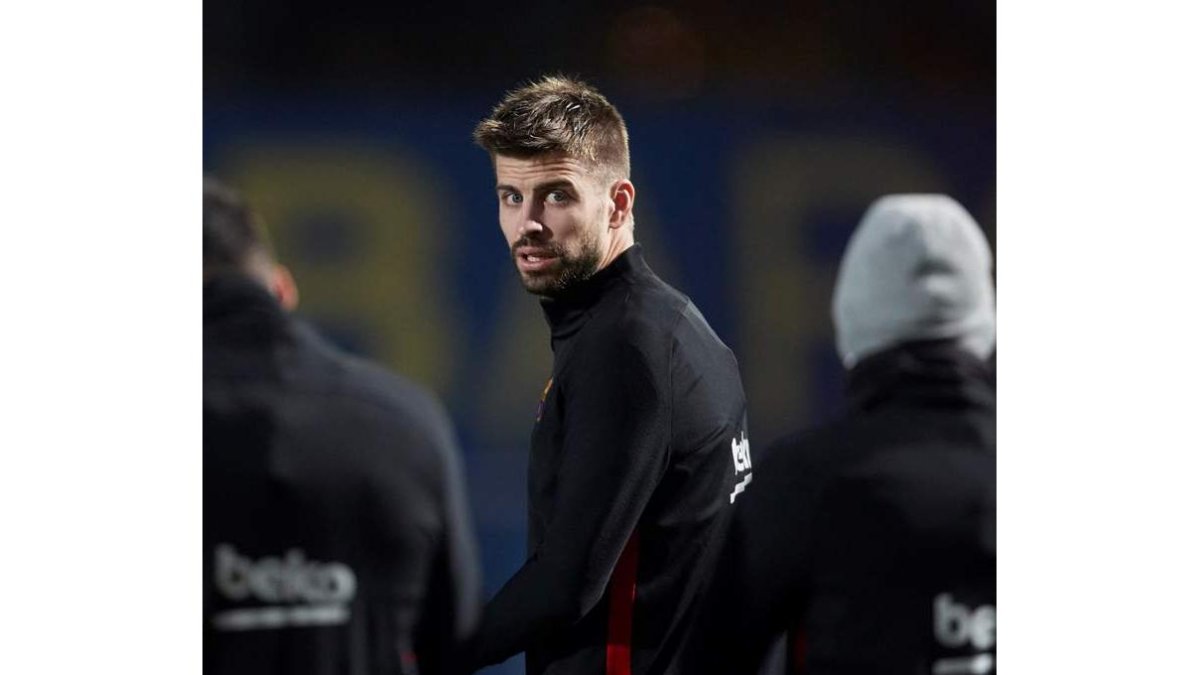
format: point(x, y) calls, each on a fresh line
point(917, 268)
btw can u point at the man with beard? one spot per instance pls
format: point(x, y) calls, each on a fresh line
point(872, 540)
point(639, 447)
point(336, 532)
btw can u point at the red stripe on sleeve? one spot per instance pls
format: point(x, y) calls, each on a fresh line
point(622, 591)
point(799, 652)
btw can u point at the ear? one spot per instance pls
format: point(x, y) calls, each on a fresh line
point(622, 195)
point(283, 287)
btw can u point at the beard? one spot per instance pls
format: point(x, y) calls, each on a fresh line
point(569, 269)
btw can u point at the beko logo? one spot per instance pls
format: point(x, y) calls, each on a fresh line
point(291, 578)
point(958, 626)
point(741, 463)
point(318, 593)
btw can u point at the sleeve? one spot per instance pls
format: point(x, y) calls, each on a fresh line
point(452, 603)
point(614, 452)
point(759, 587)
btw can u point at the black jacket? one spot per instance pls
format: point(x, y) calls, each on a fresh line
point(873, 539)
point(631, 477)
point(336, 533)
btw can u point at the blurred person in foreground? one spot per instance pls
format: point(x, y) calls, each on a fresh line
point(872, 540)
point(336, 534)
point(639, 443)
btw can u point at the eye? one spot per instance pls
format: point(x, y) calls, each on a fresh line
point(512, 198)
point(557, 197)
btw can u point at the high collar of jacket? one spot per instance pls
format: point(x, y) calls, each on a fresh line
point(567, 313)
point(928, 373)
point(239, 307)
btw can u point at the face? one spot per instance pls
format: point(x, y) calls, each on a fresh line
point(555, 213)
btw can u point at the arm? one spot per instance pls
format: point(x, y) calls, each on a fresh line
point(758, 589)
point(452, 601)
point(614, 453)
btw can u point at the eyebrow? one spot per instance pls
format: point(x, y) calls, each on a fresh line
point(540, 187)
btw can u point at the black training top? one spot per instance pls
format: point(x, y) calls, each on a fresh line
point(871, 540)
point(336, 535)
point(638, 451)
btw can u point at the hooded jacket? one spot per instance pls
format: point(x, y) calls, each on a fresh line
point(336, 532)
point(871, 541)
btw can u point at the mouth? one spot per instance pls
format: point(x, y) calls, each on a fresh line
point(532, 260)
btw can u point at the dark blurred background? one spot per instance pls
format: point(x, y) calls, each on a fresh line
point(760, 132)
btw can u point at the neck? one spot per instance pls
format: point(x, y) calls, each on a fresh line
point(620, 243)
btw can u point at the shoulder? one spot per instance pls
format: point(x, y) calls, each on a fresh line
point(405, 431)
point(374, 392)
point(633, 322)
point(408, 401)
point(650, 313)
point(650, 307)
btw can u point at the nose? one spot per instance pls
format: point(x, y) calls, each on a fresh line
point(531, 223)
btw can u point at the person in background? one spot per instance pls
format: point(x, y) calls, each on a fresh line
point(871, 541)
point(336, 531)
point(639, 444)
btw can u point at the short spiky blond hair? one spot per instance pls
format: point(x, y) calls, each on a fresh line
point(558, 114)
